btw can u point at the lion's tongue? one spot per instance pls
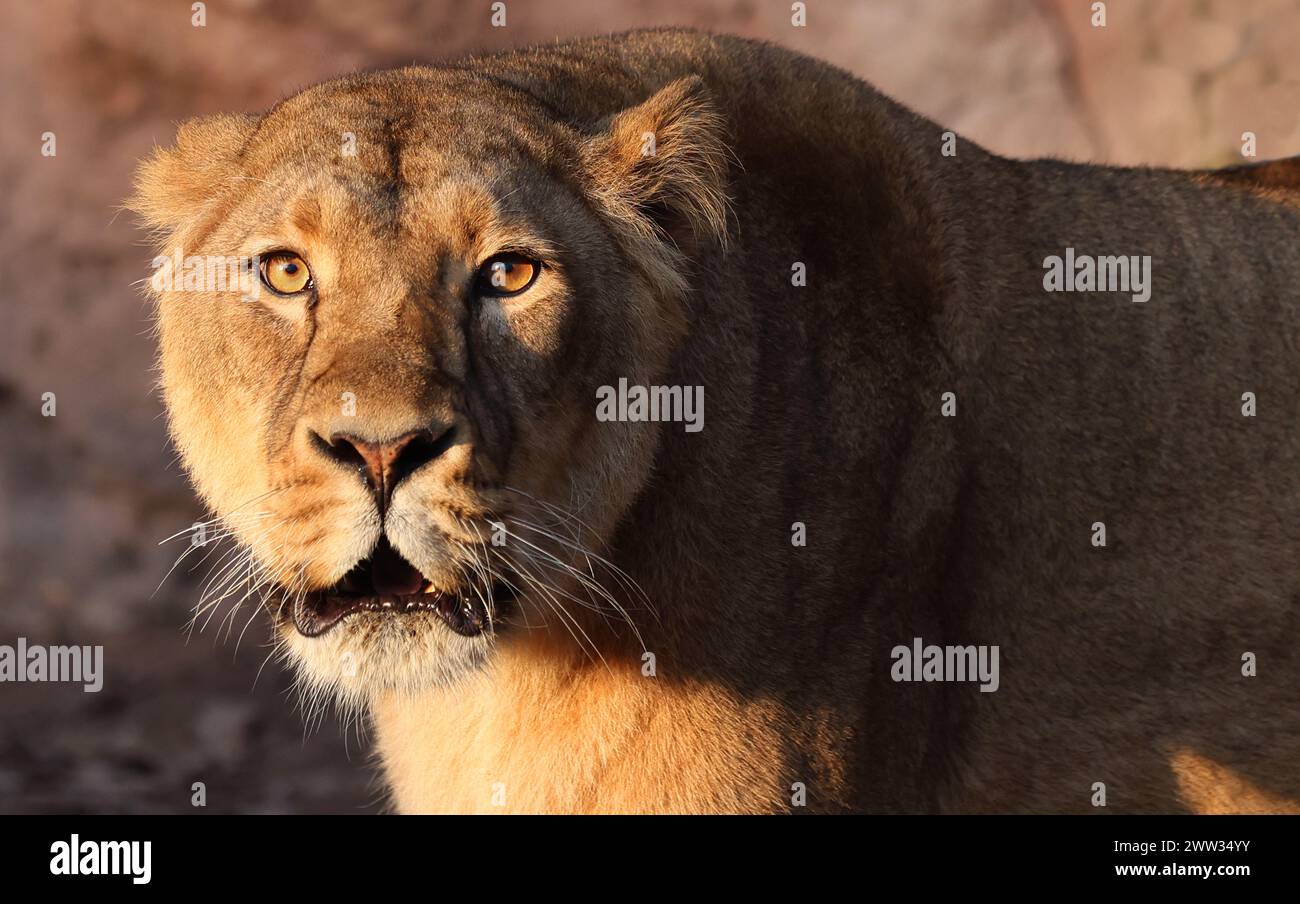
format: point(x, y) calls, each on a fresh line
point(393, 575)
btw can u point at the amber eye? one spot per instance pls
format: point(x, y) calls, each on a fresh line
point(506, 274)
point(285, 273)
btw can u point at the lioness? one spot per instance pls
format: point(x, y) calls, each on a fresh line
point(1030, 414)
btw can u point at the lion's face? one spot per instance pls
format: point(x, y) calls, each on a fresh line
point(398, 421)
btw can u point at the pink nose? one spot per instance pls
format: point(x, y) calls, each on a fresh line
point(386, 464)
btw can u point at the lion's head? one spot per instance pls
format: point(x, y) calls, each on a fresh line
point(428, 272)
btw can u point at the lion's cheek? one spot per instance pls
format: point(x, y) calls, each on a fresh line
point(214, 421)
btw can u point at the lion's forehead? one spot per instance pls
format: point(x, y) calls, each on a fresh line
point(419, 160)
point(405, 124)
point(453, 212)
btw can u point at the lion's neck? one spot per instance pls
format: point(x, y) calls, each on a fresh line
point(541, 732)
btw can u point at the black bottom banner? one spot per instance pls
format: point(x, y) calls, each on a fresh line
point(303, 854)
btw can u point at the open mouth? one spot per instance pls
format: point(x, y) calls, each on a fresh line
point(387, 583)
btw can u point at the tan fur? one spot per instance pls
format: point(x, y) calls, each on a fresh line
point(544, 734)
point(730, 670)
point(1212, 789)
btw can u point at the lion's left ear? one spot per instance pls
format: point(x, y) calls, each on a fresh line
point(661, 166)
point(175, 185)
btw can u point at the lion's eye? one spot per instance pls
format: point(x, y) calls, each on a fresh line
point(506, 274)
point(285, 273)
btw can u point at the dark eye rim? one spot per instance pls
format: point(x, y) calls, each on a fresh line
point(264, 259)
point(483, 283)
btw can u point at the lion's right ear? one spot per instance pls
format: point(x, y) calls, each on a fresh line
point(176, 184)
point(661, 165)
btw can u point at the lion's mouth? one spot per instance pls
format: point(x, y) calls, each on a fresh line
point(387, 583)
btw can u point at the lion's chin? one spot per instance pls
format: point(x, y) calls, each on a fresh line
point(371, 653)
point(385, 627)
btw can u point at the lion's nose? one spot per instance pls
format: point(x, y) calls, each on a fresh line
point(386, 464)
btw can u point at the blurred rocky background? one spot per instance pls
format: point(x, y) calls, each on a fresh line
point(86, 496)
